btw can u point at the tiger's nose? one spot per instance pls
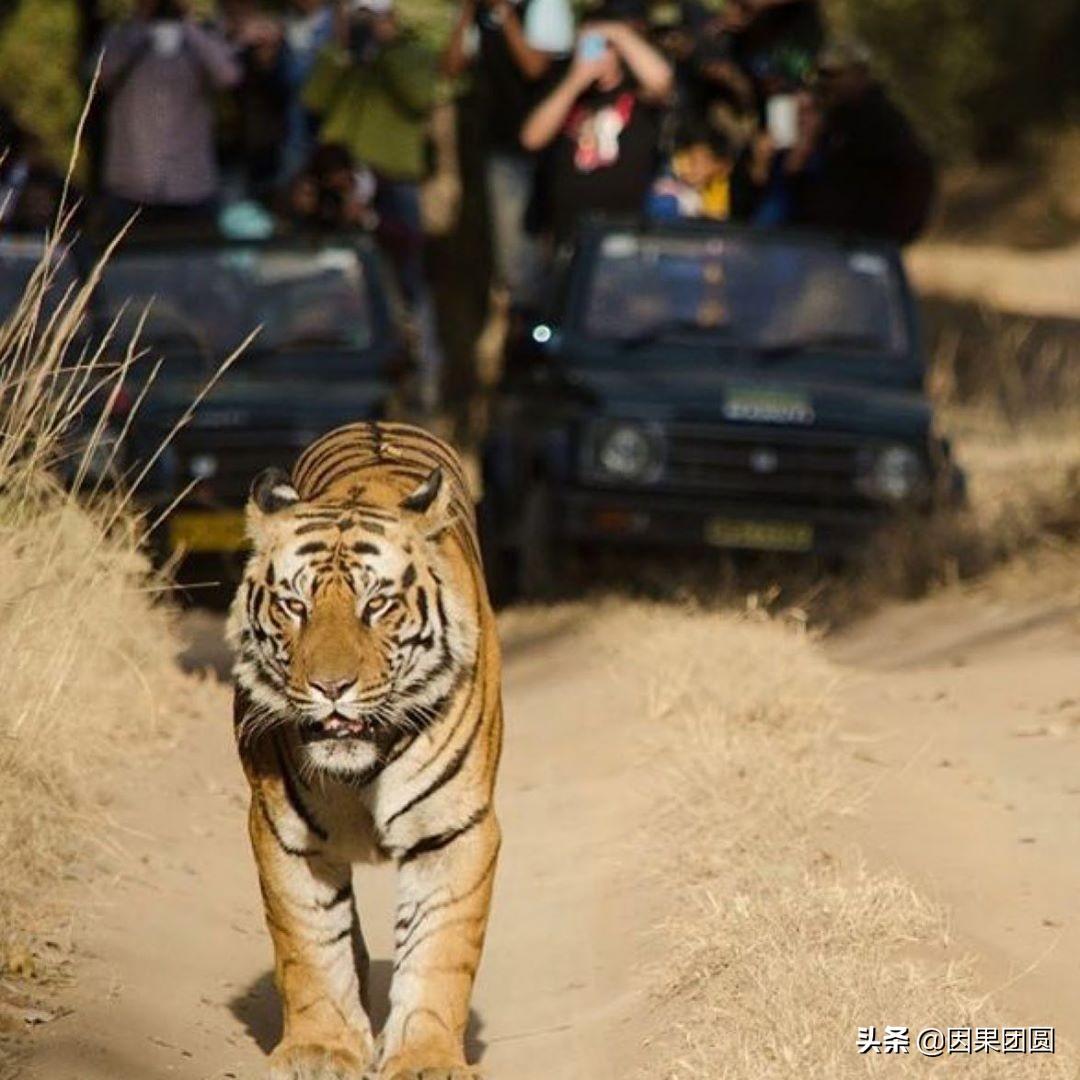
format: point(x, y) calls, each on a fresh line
point(332, 689)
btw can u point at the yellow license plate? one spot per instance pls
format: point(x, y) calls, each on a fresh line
point(199, 531)
point(759, 535)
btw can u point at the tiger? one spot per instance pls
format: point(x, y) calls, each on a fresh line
point(368, 719)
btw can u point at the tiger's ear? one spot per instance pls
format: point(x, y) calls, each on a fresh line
point(271, 492)
point(430, 502)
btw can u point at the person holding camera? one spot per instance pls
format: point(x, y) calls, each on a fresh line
point(309, 28)
point(256, 124)
point(159, 72)
point(509, 47)
point(602, 124)
point(332, 193)
point(374, 90)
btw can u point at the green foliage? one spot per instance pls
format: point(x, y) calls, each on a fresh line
point(38, 71)
point(41, 79)
point(976, 75)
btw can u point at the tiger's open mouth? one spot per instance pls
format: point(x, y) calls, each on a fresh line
point(336, 726)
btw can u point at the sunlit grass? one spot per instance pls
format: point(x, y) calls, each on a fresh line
point(777, 945)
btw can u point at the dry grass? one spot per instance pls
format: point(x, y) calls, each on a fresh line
point(1030, 201)
point(1027, 202)
point(1024, 504)
point(87, 661)
point(776, 951)
point(1008, 408)
point(1004, 390)
point(87, 650)
point(1005, 385)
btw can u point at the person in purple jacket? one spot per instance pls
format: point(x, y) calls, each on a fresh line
point(159, 72)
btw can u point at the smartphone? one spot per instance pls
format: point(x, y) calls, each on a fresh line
point(592, 46)
point(782, 120)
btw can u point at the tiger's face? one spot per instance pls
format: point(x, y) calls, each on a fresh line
point(347, 625)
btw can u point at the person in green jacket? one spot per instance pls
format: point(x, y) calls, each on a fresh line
point(374, 91)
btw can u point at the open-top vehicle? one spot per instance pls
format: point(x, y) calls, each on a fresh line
point(325, 351)
point(697, 386)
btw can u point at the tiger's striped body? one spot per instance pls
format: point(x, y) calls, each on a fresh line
point(369, 724)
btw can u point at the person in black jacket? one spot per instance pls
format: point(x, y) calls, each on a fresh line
point(513, 48)
point(859, 166)
point(253, 143)
point(601, 127)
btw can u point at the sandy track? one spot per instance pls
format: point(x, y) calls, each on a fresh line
point(963, 713)
point(175, 976)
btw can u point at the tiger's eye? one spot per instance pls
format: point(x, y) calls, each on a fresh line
point(379, 605)
point(296, 608)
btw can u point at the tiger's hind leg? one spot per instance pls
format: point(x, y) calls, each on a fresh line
point(444, 899)
point(318, 951)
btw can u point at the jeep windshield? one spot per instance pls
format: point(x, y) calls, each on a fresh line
point(199, 304)
point(771, 297)
point(23, 257)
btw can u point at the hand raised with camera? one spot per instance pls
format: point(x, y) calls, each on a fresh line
point(593, 59)
point(653, 74)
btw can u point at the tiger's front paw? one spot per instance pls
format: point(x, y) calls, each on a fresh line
point(434, 1072)
point(426, 1066)
point(310, 1061)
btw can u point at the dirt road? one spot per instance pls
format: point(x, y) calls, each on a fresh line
point(963, 711)
point(176, 977)
point(964, 715)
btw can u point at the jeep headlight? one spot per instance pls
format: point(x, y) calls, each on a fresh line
point(625, 451)
point(894, 474)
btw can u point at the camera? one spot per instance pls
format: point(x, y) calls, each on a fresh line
point(592, 46)
point(361, 39)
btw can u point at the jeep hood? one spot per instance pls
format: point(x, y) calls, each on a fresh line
point(241, 402)
point(757, 398)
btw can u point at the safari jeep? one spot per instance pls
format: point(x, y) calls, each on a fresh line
point(703, 386)
point(326, 352)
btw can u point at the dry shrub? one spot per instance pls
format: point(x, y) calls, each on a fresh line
point(1004, 389)
point(1015, 433)
point(1028, 201)
point(1024, 499)
point(776, 951)
point(87, 662)
point(980, 355)
point(1003, 386)
point(87, 651)
point(1025, 502)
